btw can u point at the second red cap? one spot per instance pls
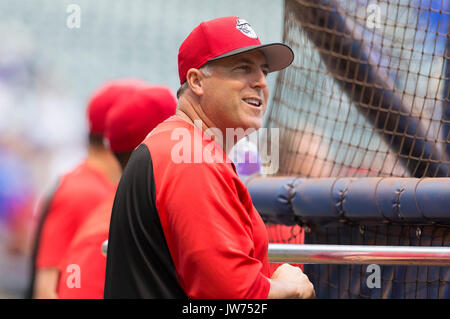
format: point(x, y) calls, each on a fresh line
point(105, 97)
point(133, 117)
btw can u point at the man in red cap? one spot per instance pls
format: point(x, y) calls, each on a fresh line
point(78, 192)
point(127, 124)
point(183, 224)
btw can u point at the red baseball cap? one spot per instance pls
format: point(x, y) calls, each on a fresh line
point(224, 37)
point(105, 97)
point(133, 117)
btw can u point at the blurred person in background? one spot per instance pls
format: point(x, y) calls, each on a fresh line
point(78, 192)
point(248, 163)
point(17, 198)
point(127, 124)
point(309, 161)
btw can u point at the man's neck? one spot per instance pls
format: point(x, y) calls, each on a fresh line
point(104, 161)
point(189, 115)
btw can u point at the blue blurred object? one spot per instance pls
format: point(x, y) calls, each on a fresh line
point(246, 158)
point(14, 185)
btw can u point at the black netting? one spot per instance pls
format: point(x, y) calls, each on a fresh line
point(367, 95)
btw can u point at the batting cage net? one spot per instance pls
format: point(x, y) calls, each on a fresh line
point(367, 95)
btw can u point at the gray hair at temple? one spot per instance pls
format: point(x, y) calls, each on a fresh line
point(206, 71)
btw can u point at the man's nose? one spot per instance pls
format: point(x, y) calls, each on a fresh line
point(260, 80)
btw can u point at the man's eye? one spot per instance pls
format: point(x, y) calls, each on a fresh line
point(244, 67)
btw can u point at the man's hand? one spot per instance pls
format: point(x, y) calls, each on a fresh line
point(290, 282)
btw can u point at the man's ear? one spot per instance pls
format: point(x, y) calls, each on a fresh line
point(194, 78)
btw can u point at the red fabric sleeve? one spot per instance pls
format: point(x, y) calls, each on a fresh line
point(210, 232)
point(57, 232)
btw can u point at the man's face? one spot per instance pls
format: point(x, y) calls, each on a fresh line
point(236, 93)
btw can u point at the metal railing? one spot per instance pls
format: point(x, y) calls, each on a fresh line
point(354, 254)
point(359, 254)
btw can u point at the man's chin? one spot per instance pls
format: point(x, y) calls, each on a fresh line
point(256, 124)
point(249, 128)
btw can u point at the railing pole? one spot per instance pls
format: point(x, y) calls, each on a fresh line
point(359, 254)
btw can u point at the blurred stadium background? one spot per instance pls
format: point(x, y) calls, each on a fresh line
point(361, 99)
point(48, 71)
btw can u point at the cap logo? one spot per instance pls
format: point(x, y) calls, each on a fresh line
point(246, 28)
